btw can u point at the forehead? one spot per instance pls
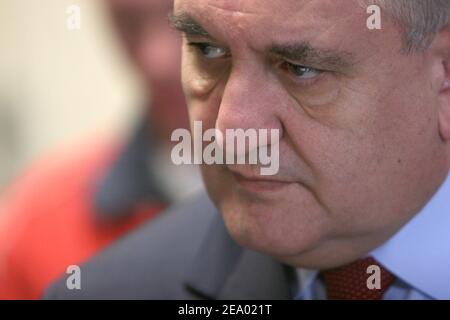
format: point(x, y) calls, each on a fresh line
point(316, 21)
point(156, 5)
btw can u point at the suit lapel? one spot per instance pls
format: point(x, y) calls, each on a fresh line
point(258, 277)
point(224, 270)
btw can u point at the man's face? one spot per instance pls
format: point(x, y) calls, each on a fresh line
point(360, 151)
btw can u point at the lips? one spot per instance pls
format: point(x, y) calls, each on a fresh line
point(258, 184)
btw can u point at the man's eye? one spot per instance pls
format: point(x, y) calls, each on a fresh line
point(210, 51)
point(302, 72)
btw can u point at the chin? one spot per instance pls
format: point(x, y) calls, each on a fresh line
point(270, 228)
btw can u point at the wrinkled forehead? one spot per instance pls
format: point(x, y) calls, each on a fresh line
point(283, 20)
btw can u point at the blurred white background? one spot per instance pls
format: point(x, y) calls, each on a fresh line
point(57, 85)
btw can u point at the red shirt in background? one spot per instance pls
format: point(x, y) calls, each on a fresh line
point(48, 220)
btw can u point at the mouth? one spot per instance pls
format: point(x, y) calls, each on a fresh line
point(259, 184)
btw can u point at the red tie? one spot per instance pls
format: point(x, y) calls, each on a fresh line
point(349, 282)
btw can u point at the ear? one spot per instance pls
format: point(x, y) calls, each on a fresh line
point(444, 94)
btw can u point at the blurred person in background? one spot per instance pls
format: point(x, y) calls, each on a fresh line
point(70, 205)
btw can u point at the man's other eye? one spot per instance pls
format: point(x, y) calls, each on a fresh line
point(301, 72)
point(210, 51)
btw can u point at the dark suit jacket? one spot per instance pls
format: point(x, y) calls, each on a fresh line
point(186, 253)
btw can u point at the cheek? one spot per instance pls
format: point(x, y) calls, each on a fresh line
point(364, 165)
point(205, 111)
point(324, 92)
point(203, 99)
point(198, 79)
point(335, 143)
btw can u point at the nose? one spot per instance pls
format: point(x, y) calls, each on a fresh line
point(249, 101)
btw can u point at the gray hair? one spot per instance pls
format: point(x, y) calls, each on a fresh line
point(419, 19)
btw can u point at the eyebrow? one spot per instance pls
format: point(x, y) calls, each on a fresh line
point(186, 24)
point(303, 52)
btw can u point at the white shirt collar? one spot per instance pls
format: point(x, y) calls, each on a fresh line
point(419, 253)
